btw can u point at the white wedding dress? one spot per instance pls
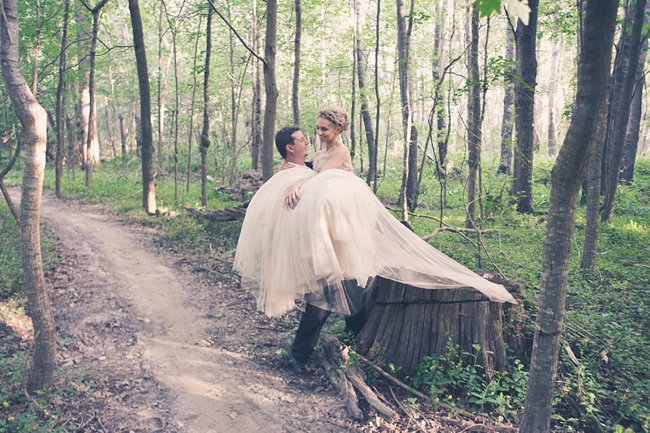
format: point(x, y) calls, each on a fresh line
point(339, 231)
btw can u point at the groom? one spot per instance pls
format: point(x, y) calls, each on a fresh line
point(293, 146)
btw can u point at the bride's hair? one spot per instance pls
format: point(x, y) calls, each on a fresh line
point(336, 116)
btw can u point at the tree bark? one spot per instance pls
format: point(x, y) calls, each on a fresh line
point(590, 246)
point(60, 109)
point(552, 140)
point(525, 41)
point(148, 184)
point(474, 134)
point(92, 141)
point(271, 89)
point(627, 61)
point(205, 131)
point(256, 124)
point(295, 100)
point(190, 136)
point(371, 175)
point(505, 161)
point(403, 49)
point(33, 138)
point(631, 143)
point(407, 323)
point(568, 172)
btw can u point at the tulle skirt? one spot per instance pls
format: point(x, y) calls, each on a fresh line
point(339, 232)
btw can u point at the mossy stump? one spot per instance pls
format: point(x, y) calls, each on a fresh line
point(407, 323)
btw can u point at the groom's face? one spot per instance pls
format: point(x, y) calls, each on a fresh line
point(300, 144)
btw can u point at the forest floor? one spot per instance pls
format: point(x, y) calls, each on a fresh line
point(173, 349)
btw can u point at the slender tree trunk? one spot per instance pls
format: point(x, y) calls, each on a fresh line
point(60, 111)
point(631, 143)
point(568, 172)
point(295, 101)
point(33, 138)
point(271, 89)
point(122, 136)
point(193, 103)
point(93, 157)
point(256, 124)
point(552, 140)
point(616, 138)
point(377, 95)
point(205, 131)
point(505, 162)
point(525, 40)
point(371, 175)
point(403, 44)
point(590, 246)
point(148, 184)
point(37, 48)
point(474, 133)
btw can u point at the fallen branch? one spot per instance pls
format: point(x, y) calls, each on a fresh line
point(332, 358)
point(455, 230)
point(223, 215)
point(465, 414)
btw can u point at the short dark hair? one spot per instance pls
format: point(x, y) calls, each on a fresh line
point(284, 137)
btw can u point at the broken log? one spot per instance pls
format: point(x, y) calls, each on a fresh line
point(335, 358)
point(332, 358)
point(227, 214)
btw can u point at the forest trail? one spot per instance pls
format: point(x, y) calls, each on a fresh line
point(184, 337)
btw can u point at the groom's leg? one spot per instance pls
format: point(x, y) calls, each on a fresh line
point(306, 338)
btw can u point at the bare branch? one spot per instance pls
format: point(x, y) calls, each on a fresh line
point(261, 59)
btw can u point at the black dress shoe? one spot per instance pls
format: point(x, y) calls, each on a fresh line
point(297, 367)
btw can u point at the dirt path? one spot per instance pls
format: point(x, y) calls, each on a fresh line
point(177, 351)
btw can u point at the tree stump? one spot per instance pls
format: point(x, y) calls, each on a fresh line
point(407, 323)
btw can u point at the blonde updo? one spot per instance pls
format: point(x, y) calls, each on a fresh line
point(336, 116)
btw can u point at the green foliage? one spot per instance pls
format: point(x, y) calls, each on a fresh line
point(456, 376)
point(11, 269)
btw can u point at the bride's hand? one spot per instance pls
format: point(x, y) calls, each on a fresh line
point(293, 196)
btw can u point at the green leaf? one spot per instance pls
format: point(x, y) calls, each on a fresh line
point(486, 7)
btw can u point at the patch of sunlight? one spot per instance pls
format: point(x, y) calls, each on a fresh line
point(636, 227)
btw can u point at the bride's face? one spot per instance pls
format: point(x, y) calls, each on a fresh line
point(326, 131)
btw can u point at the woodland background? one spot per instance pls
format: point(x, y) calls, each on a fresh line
point(432, 74)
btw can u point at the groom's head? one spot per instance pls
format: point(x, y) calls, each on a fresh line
point(292, 144)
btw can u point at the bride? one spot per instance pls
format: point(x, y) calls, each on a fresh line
point(312, 232)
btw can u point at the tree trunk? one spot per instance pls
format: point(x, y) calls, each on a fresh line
point(33, 138)
point(122, 136)
point(474, 134)
point(552, 141)
point(568, 172)
point(505, 161)
point(631, 143)
point(371, 175)
point(590, 246)
point(60, 109)
point(256, 124)
point(407, 323)
point(205, 131)
point(403, 45)
point(148, 185)
point(377, 96)
point(525, 40)
point(190, 136)
point(92, 141)
point(627, 61)
point(271, 89)
point(295, 101)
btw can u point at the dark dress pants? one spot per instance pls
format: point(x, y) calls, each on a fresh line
point(311, 323)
